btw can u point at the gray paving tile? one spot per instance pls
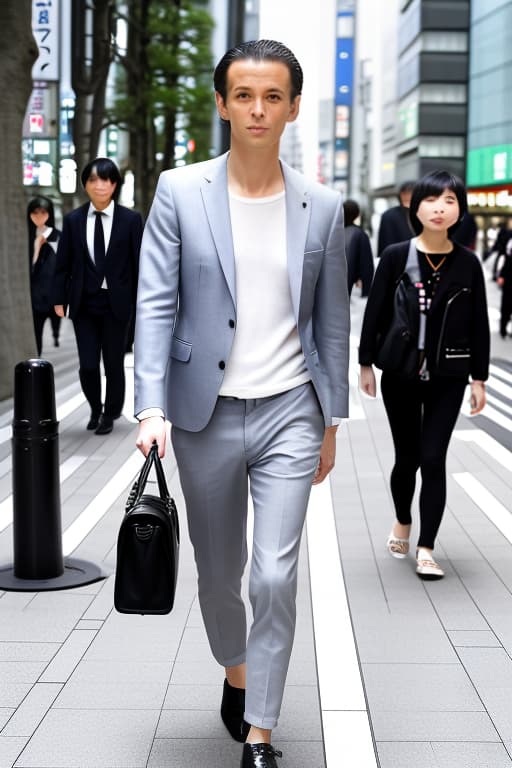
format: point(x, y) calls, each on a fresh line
point(110, 685)
point(89, 624)
point(32, 710)
point(70, 653)
point(194, 753)
point(20, 671)
point(12, 694)
point(37, 621)
point(300, 715)
point(400, 754)
point(491, 671)
point(420, 688)
point(478, 639)
point(192, 697)
point(191, 724)
point(433, 726)
point(471, 755)
point(10, 748)
point(128, 638)
point(395, 638)
point(5, 714)
point(91, 739)
point(27, 651)
point(190, 672)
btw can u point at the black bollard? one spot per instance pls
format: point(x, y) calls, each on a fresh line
point(38, 562)
point(35, 480)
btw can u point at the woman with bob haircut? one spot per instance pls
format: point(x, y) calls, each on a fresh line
point(422, 410)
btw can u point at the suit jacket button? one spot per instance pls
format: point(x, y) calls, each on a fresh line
point(222, 365)
point(231, 323)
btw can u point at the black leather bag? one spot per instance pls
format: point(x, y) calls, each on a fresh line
point(147, 547)
point(397, 348)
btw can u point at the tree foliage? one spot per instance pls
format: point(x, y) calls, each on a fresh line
point(164, 88)
point(17, 56)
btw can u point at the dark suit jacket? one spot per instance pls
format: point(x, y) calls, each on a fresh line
point(122, 261)
point(394, 227)
point(42, 275)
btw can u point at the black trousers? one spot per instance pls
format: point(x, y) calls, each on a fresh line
point(422, 416)
point(40, 319)
point(99, 334)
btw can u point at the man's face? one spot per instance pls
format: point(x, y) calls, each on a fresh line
point(258, 102)
point(99, 191)
point(405, 198)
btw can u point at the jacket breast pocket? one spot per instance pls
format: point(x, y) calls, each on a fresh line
point(180, 350)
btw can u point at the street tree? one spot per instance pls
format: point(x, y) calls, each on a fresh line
point(164, 88)
point(17, 56)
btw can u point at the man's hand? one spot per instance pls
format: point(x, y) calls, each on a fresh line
point(500, 281)
point(367, 382)
point(59, 310)
point(327, 455)
point(151, 430)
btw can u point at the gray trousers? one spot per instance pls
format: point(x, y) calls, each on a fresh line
point(273, 443)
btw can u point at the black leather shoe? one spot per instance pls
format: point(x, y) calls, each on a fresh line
point(105, 425)
point(259, 756)
point(94, 420)
point(232, 712)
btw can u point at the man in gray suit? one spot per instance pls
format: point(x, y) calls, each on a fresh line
point(242, 342)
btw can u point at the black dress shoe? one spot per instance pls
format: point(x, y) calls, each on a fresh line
point(259, 756)
point(94, 420)
point(232, 712)
point(105, 425)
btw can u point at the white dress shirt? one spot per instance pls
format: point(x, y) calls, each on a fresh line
point(106, 220)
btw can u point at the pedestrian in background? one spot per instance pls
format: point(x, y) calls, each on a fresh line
point(358, 250)
point(242, 342)
point(395, 226)
point(43, 238)
point(97, 267)
point(422, 410)
point(504, 280)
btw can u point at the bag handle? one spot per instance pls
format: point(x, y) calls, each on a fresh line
point(152, 459)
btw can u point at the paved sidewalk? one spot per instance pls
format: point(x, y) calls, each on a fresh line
point(429, 670)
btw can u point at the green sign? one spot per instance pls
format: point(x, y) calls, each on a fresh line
point(489, 165)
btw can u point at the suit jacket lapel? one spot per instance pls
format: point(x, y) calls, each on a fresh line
point(214, 190)
point(298, 214)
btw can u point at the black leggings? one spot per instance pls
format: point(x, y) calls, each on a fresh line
point(422, 415)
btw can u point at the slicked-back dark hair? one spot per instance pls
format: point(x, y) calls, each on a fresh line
point(105, 169)
point(259, 50)
point(433, 185)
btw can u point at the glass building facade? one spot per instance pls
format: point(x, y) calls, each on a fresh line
point(432, 86)
point(490, 105)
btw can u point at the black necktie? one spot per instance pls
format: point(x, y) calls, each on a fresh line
point(99, 246)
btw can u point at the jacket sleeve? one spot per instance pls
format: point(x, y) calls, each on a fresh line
point(63, 265)
point(157, 298)
point(480, 347)
point(379, 305)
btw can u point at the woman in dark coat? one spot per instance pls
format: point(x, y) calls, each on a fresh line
point(449, 302)
point(42, 247)
point(358, 250)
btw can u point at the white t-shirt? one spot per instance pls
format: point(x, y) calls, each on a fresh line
point(266, 357)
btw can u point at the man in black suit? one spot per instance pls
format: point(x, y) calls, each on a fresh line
point(394, 224)
point(96, 275)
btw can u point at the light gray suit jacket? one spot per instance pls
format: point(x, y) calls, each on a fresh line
point(186, 304)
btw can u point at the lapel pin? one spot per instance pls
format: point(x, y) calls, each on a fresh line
point(304, 205)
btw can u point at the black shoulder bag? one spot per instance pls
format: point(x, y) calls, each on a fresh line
point(398, 348)
point(147, 547)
